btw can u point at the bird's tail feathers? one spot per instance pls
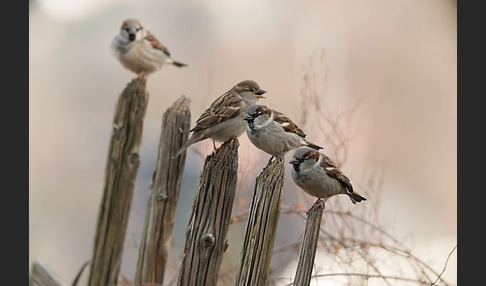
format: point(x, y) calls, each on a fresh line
point(179, 152)
point(178, 64)
point(194, 138)
point(355, 197)
point(313, 145)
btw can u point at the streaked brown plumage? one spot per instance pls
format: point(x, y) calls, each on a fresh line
point(273, 132)
point(139, 50)
point(318, 176)
point(223, 119)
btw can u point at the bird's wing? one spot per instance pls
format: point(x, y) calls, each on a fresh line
point(287, 124)
point(223, 108)
point(156, 44)
point(333, 171)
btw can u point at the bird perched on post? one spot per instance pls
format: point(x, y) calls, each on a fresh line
point(223, 120)
point(318, 176)
point(273, 132)
point(139, 51)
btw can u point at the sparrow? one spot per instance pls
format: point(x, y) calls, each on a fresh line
point(223, 120)
point(273, 132)
point(318, 176)
point(139, 51)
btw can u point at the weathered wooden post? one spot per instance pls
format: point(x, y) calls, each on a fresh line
point(208, 226)
point(42, 275)
point(309, 246)
point(121, 169)
point(164, 195)
point(261, 229)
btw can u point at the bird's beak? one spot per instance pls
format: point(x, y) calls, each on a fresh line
point(259, 93)
point(131, 34)
point(294, 161)
point(248, 117)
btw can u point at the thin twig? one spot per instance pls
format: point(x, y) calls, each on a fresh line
point(358, 251)
point(365, 275)
point(445, 265)
point(78, 276)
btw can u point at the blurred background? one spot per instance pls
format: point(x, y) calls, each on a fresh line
point(390, 64)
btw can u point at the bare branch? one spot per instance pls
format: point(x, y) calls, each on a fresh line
point(78, 276)
point(367, 276)
point(445, 265)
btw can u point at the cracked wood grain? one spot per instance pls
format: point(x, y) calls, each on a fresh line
point(208, 226)
point(262, 223)
point(308, 247)
point(121, 169)
point(164, 195)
